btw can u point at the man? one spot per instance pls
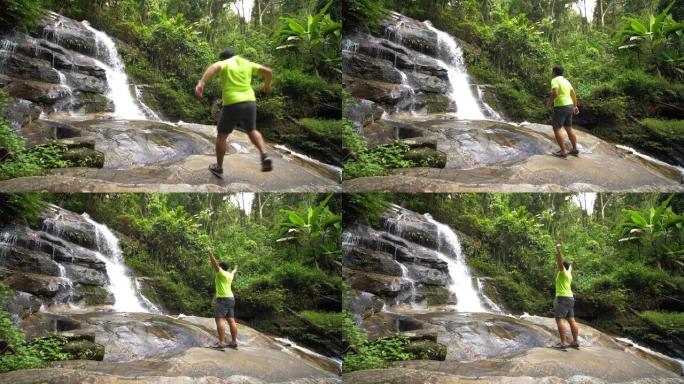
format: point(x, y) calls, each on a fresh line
point(564, 101)
point(224, 303)
point(565, 302)
point(239, 103)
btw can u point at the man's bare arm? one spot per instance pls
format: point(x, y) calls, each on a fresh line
point(234, 270)
point(208, 74)
point(214, 263)
point(574, 101)
point(267, 74)
point(559, 257)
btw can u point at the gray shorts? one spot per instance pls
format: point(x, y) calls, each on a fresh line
point(564, 307)
point(562, 116)
point(224, 307)
point(237, 115)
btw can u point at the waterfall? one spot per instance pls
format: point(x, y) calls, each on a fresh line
point(405, 275)
point(125, 106)
point(147, 110)
point(461, 283)
point(467, 106)
point(126, 299)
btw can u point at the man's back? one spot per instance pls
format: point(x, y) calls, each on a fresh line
point(236, 80)
point(564, 87)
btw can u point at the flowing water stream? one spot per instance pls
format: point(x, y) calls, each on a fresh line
point(125, 105)
point(126, 297)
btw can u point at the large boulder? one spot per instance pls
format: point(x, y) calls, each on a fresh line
point(68, 33)
point(410, 33)
point(22, 112)
point(371, 261)
point(19, 66)
point(386, 94)
point(35, 284)
point(366, 67)
point(377, 284)
point(23, 304)
point(26, 260)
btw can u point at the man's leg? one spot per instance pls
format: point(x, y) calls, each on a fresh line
point(221, 146)
point(258, 140)
point(574, 329)
point(221, 330)
point(561, 331)
point(560, 140)
point(233, 329)
point(572, 137)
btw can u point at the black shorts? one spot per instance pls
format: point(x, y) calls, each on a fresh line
point(224, 307)
point(564, 307)
point(240, 114)
point(562, 116)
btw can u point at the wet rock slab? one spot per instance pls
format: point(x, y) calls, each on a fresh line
point(146, 156)
point(156, 349)
point(487, 156)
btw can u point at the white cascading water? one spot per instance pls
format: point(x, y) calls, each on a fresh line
point(467, 106)
point(125, 106)
point(126, 298)
point(148, 111)
point(461, 283)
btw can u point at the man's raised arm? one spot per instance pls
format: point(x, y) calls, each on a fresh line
point(267, 74)
point(559, 257)
point(208, 74)
point(214, 263)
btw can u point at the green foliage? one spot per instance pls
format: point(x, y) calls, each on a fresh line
point(659, 234)
point(317, 39)
point(311, 231)
point(668, 128)
point(362, 14)
point(17, 352)
point(661, 39)
point(377, 161)
point(20, 14)
point(378, 354)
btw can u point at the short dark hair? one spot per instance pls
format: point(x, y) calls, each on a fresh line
point(226, 54)
point(558, 70)
point(223, 265)
point(567, 264)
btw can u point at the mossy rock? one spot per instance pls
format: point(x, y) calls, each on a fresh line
point(85, 157)
point(94, 295)
point(435, 295)
point(94, 102)
point(427, 157)
point(420, 237)
point(435, 102)
point(427, 350)
point(84, 350)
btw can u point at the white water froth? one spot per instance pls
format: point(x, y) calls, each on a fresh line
point(126, 298)
point(461, 283)
point(125, 106)
point(288, 345)
point(467, 107)
point(653, 160)
point(336, 170)
point(652, 352)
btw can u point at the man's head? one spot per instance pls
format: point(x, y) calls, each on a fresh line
point(558, 70)
point(567, 265)
point(226, 54)
point(224, 266)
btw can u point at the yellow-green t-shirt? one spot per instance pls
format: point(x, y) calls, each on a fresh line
point(223, 281)
point(236, 80)
point(563, 282)
point(564, 97)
